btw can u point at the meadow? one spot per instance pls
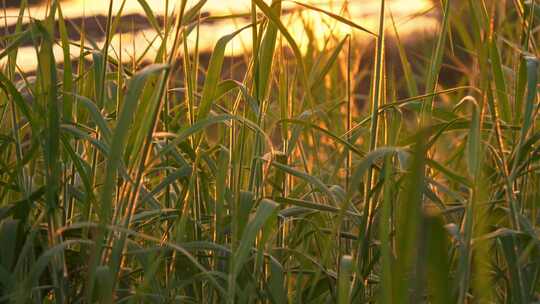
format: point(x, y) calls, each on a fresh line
point(313, 170)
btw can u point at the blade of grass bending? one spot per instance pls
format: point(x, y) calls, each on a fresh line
point(335, 17)
point(369, 162)
point(114, 160)
point(20, 39)
point(317, 78)
point(10, 90)
point(309, 178)
point(313, 206)
point(99, 120)
point(151, 17)
point(405, 101)
point(201, 125)
point(172, 177)
point(213, 74)
point(339, 140)
point(120, 133)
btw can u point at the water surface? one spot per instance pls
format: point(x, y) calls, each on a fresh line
point(414, 18)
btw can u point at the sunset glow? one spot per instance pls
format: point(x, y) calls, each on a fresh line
point(412, 16)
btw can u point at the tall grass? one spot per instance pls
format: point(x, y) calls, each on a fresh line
point(154, 183)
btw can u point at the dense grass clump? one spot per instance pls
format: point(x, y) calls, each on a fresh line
point(278, 181)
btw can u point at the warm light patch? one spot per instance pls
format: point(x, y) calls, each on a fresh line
point(411, 16)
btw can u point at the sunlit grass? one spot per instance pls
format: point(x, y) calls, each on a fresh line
point(313, 168)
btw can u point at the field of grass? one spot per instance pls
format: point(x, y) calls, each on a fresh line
point(173, 181)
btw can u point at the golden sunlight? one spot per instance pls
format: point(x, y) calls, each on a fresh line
point(411, 16)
